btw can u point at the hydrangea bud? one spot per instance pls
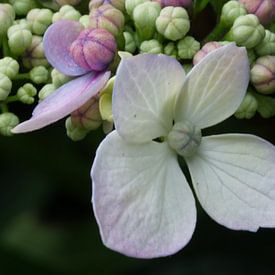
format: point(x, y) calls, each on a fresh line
point(118, 4)
point(26, 93)
point(67, 2)
point(19, 39)
point(205, 50)
point(130, 44)
point(66, 12)
point(248, 107)
point(251, 56)
point(247, 31)
point(107, 17)
point(46, 91)
point(262, 74)
point(267, 45)
point(171, 50)
point(187, 47)
point(144, 16)
point(58, 79)
point(231, 11)
point(39, 19)
point(131, 4)
point(24, 23)
point(34, 54)
point(39, 75)
point(9, 67)
point(7, 122)
point(87, 116)
point(22, 7)
point(175, 3)
point(85, 20)
point(173, 23)
point(94, 49)
point(5, 86)
point(75, 133)
point(263, 9)
point(6, 18)
point(151, 46)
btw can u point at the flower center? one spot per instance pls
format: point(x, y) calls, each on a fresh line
point(184, 138)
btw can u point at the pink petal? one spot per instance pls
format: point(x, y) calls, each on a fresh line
point(64, 101)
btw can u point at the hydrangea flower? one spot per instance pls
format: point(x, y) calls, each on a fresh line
point(57, 42)
point(141, 199)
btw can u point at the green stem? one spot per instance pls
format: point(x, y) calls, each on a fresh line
point(228, 36)
point(22, 76)
point(5, 45)
point(12, 98)
point(4, 107)
point(217, 33)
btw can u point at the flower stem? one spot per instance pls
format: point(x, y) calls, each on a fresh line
point(217, 33)
point(22, 76)
point(12, 98)
point(4, 107)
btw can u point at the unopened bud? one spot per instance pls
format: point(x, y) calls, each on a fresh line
point(58, 79)
point(171, 50)
point(151, 46)
point(6, 18)
point(7, 122)
point(267, 46)
point(205, 50)
point(9, 67)
point(46, 91)
point(187, 47)
point(74, 132)
point(39, 75)
point(66, 12)
point(26, 93)
point(131, 4)
point(130, 44)
point(5, 86)
point(118, 4)
point(248, 107)
point(22, 7)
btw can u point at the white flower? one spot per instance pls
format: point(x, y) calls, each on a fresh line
point(142, 201)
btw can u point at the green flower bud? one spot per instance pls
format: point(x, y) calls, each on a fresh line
point(46, 91)
point(34, 54)
point(107, 17)
point(248, 107)
point(231, 11)
point(22, 7)
point(262, 74)
point(85, 20)
point(9, 67)
point(58, 79)
point(118, 4)
point(251, 56)
point(6, 18)
point(26, 93)
point(266, 105)
point(108, 88)
point(39, 75)
point(24, 23)
point(131, 4)
point(247, 31)
point(267, 45)
point(105, 107)
point(173, 23)
point(66, 12)
point(130, 44)
point(205, 50)
point(19, 39)
point(171, 50)
point(145, 16)
point(7, 122)
point(74, 132)
point(39, 19)
point(187, 47)
point(5, 86)
point(151, 46)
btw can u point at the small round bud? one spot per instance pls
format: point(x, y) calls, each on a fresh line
point(247, 31)
point(130, 44)
point(267, 45)
point(7, 122)
point(22, 7)
point(262, 74)
point(39, 19)
point(19, 39)
point(231, 11)
point(6, 18)
point(175, 3)
point(187, 47)
point(46, 91)
point(173, 23)
point(85, 20)
point(184, 138)
point(105, 107)
point(66, 12)
point(88, 116)
point(205, 50)
point(118, 4)
point(67, 2)
point(34, 54)
point(39, 75)
point(94, 49)
point(107, 17)
point(74, 132)
point(145, 16)
point(58, 79)
point(131, 4)
point(23, 23)
point(248, 107)
point(151, 46)
point(263, 9)
point(171, 50)
point(5, 86)
point(9, 67)
point(26, 93)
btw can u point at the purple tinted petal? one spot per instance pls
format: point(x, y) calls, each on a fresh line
point(64, 101)
point(57, 41)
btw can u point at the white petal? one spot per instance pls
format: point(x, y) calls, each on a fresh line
point(141, 199)
point(144, 94)
point(234, 178)
point(214, 88)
